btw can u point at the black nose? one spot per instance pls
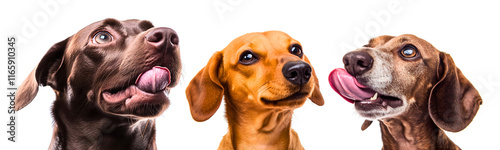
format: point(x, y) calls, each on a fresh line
point(357, 63)
point(297, 72)
point(162, 38)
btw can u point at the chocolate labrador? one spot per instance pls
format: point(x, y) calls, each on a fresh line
point(110, 80)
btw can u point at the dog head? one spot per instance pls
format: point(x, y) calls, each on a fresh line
point(120, 67)
point(265, 70)
point(388, 76)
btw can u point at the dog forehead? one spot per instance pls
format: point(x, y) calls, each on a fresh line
point(113, 23)
point(393, 41)
point(378, 41)
point(127, 27)
point(135, 26)
point(390, 43)
point(262, 41)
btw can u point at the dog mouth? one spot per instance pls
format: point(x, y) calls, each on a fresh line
point(364, 98)
point(148, 89)
point(297, 98)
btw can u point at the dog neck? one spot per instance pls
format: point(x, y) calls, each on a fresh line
point(251, 128)
point(413, 132)
point(92, 129)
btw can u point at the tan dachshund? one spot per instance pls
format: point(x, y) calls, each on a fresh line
point(263, 77)
point(413, 89)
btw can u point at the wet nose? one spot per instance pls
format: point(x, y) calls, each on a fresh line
point(163, 38)
point(297, 72)
point(358, 62)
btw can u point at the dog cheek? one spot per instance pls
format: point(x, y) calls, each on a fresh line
point(97, 100)
point(241, 91)
point(403, 81)
point(380, 76)
point(309, 87)
point(411, 77)
point(250, 97)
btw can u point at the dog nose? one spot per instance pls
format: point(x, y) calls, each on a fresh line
point(297, 72)
point(357, 63)
point(162, 38)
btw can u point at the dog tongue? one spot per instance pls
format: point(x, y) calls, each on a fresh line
point(154, 80)
point(348, 87)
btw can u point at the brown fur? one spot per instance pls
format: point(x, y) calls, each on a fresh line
point(441, 98)
point(257, 108)
point(79, 70)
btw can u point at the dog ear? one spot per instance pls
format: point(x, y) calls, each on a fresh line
point(44, 74)
point(316, 96)
point(204, 92)
point(453, 101)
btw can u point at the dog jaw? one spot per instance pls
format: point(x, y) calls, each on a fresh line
point(378, 111)
point(290, 97)
point(147, 90)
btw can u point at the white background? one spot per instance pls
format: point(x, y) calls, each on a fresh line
point(468, 30)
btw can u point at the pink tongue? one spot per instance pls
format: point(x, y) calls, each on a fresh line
point(348, 87)
point(154, 80)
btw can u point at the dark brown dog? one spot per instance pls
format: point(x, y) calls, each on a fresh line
point(109, 80)
point(413, 89)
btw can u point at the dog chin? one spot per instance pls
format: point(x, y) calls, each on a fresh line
point(149, 108)
point(145, 111)
point(293, 101)
point(378, 112)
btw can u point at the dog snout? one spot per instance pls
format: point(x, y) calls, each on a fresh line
point(162, 38)
point(357, 63)
point(297, 72)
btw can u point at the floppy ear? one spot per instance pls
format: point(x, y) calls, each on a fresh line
point(204, 92)
point(453, 101)
point(44, 74)
point(316, 96)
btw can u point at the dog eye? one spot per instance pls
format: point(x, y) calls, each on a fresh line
point(248, 58)
point(296, 49)
point(409, 51)
point(102, 37)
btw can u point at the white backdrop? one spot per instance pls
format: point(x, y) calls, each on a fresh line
point(468, 30)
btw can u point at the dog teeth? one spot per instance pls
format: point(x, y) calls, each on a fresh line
point(374, 97)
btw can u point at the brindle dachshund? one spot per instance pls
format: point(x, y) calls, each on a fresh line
point(414, 90)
